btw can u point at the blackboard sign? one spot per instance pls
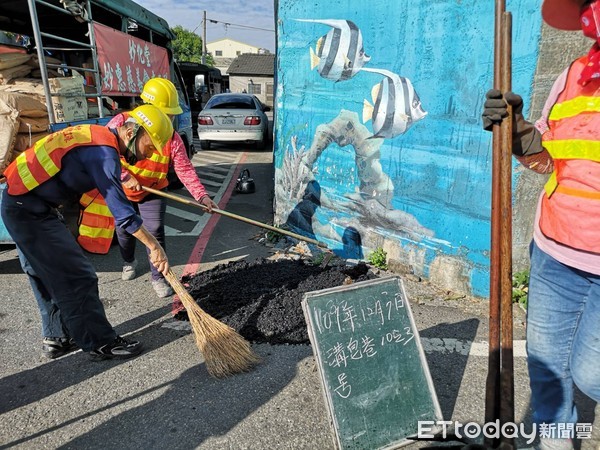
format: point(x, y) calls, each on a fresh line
point(375, 378)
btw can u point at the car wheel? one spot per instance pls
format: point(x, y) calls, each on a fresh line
point(260, 145)
point(205, 145)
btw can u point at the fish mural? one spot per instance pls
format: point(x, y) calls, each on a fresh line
point(339, 54)
point(396, 105)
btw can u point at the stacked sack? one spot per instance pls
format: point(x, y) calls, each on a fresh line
point(36, 72)
point(14, 65)
point(23, 121)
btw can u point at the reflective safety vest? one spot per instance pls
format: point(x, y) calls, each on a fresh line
point(39, 163)
point(96, 223)
point(571, 207)
point(151, 172)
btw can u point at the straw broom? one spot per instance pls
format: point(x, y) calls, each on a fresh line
point(225, 351)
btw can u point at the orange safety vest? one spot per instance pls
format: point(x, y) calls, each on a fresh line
point(150, 172)
point(571, 207)
point(96, 223)
point(39, 163)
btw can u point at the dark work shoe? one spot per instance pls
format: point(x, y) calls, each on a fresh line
point(181, 315)
point(57, 347)
point(119, 349)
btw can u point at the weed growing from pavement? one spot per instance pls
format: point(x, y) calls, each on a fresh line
point(520, 283)
point(378, 258)
point(273, 236)
point(318, 259)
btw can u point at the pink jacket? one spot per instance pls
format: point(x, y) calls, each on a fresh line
point(181, 163)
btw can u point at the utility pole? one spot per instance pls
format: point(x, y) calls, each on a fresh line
point(204, 39)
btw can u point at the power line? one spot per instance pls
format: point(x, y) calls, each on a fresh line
point(233, 24)
point(235, 27)
point(239, 25)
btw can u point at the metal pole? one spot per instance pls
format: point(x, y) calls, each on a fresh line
point(506, 331)
point(97, 77)
point(492, 393)
point(40, 52)
point(204, 39)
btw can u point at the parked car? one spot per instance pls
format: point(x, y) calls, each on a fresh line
point(233, 118)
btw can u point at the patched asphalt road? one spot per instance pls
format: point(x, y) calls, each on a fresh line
point(165, 398)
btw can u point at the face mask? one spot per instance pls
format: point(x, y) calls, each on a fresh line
point(131, 154)
point(590, 20)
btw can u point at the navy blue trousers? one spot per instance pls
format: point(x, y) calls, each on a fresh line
point(64, 281)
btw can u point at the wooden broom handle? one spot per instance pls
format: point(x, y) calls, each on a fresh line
point(187, 201)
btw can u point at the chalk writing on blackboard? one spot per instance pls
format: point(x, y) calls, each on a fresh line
point(373, 369)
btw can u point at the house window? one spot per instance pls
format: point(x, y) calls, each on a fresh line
point(254, 89)
point(218, 52)
point(238, 53)
point(269, 93)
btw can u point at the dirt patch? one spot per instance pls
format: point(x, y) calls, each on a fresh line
point(262, 299)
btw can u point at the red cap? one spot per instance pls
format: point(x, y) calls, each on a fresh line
point(562, 14)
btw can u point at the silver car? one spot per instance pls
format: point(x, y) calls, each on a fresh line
point(233, 118)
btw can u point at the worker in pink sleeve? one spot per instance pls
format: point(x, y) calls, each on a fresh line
point(152, 172)
point(563, 309)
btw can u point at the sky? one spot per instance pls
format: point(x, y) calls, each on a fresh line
point(188, 14)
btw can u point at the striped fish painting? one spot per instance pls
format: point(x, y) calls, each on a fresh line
point(340, 54)
point(396, 105)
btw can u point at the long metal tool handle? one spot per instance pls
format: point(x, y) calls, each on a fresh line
point(187, 201)
point(507, 406)
point(500, 383)
point(492, 392)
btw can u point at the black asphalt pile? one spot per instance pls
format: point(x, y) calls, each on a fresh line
point(262, 299)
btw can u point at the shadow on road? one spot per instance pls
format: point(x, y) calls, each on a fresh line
point(448, 369)
point(195, 408)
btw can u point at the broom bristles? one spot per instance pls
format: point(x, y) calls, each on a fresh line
point(225, 351)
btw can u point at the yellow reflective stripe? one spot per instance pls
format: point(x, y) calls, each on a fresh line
point(575, 106)
point(574, 149)
point(85, 199)
point(85, 230)
point(43, 157)
point(159, 158)
point(99, 209)
point(592, 195)
point(25, 174)
point(146, 173)
point(551, 184)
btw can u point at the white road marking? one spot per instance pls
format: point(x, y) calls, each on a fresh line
point(430, 345)
point(480, 348)
point(202, 219)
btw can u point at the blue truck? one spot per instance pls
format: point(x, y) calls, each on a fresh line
point(110, 47)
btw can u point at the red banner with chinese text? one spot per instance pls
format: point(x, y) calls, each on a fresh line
point(127, 62)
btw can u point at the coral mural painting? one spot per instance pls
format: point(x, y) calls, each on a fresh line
point(378, 140)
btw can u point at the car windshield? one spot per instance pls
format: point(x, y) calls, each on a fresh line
point(230, 102)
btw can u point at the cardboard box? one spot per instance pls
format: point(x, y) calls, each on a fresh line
point(70, 104)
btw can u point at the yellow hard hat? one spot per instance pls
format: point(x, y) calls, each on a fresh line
point(161, 93)
point(156, 123)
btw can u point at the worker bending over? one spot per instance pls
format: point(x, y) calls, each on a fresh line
point(60, 168)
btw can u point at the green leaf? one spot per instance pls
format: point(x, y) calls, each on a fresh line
point(378, 258)
point(187, 46)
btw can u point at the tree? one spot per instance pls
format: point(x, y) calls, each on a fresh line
point(187, 46)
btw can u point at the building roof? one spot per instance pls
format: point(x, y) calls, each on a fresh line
point(253, 64)
point(232, 40)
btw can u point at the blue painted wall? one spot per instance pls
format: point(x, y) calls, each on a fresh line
point(426, 190)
